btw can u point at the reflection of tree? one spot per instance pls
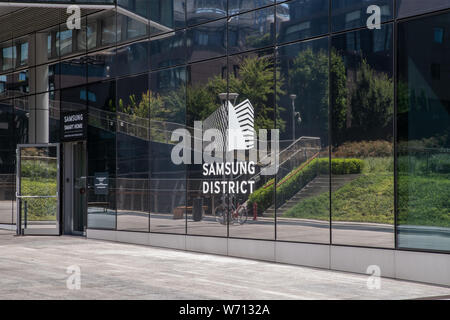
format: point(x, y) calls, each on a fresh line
point(160, 109)
point(338, 86)
point(372, 101)
point(258, 41)
point(309, 81)
point(202, 100)
point(254, 81)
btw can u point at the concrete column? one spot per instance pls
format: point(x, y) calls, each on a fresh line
point(39, 104)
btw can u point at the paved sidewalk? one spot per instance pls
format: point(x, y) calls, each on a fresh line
point(35, 268)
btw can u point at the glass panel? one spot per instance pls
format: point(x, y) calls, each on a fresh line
point(17, 84)
point(168, 180)
point(362, 181)
point(101, 147)
point(7, 56)
point(251, 30)
point(54, 115)
point(350, 14)
point(252, 78)
point(38, 183)
point(79, 187)
point(200, 11)
point(132, 58)
point(424, 134)
point(47, 45)
point(168, 50)
point(101, 29)
point(206, 41)
point(407, 8)
point(48, 77)
point(165, 16)
point(206, 81)
point(133, 154)
point(239, 6)
point(21, 120)
point(139, 7)
point(303, 179)
point(72, 41)
point(129, 28)
point(101, 65)
point(74, 99)
point(7, 192)
point(22, 51)
point(301, 19)
point(7, 163)
point(73, 72)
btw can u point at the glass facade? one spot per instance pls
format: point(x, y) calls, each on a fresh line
point(362, 114)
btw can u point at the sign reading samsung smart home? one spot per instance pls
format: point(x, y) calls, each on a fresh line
point(73, 126)
point(101, 183)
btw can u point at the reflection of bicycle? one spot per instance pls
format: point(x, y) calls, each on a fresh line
point(236, 214)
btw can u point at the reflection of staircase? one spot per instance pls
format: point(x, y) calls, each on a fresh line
point(317, 186)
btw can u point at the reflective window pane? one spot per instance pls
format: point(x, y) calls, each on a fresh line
point(423, 165)
point(129, 28)
point(206, 81)
point(101, 65)
point(350, 14)
point(362, 176)
point(252, 78)
point(303, 181)
point(47, 45)
point(301, 19)
point(132, 58)
point(101, 147)
point(48, 77)
point(200, 11)
point(73, 72)
point(22, 120)
point(166, 16)
point(239, 6)
point(101, 29)
point(7, 56)
point(206, 41)
point(132, 181)
point(168, 50)
point(407, 8)
point(251, 30)
point(54, 116)
point(168, 180)
point(7, 167)
point(22, 46)
point(17, 84)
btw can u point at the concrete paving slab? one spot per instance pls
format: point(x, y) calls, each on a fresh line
point(36, 268)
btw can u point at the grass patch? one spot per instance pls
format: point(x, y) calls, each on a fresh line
point(39, 209)
point(369, 198)
point(424, 200)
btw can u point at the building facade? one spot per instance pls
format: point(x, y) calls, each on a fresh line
point(357, 90)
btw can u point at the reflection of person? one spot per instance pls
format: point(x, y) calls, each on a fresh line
point(295, 115)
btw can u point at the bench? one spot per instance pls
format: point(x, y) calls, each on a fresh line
point(179, 211)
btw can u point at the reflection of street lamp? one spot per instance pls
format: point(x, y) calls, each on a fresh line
point(228, 96)
point(293, 97)
point(224, 97)
point(233, 96)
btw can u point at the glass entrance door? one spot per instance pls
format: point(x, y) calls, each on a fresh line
point(37, 189)
point(79, 188)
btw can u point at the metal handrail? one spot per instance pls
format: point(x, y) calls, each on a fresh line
point(32, 197)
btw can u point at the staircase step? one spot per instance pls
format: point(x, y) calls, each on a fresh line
point(317, 186)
